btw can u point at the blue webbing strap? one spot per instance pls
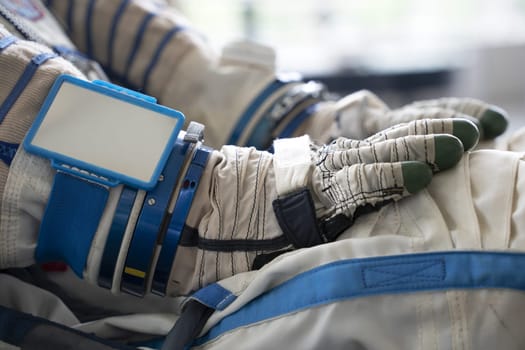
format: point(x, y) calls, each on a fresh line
point(6, 41)
point(70, 221)
point(195, 314)
point(379, 276)
point(22, 82)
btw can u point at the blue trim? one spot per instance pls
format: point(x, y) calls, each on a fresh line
point(8, 151)
point(165, 40)
point(148, 227)
point(6, 41)
point(22, 82)
point(69, 16)
point(125, 91)
point(115, 237)
point(70, 221)
point(356, 278)
point(298, 120)
point(214, 296)
point(64, 50)
point(139, 37)
point(190, 183)
point(89, 28)
point(248, 114)
point(112, 178)
point(113, 31)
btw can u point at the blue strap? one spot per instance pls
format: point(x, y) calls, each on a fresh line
point(6, 41)
point(8, 151)
point(22, 82)
point(300, 118)
point(115, 237)
point(112, 34)
point(139, 37)
point(70, 221)
point(356, 278)
point(145, 235)
point(160, 48)
point(182, 208)
point(195, 314)
point(248, 114)
point(89, 28)
point(215, 296)
point(68, 51)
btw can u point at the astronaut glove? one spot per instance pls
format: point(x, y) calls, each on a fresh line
point(362, 114)
point(348, 174)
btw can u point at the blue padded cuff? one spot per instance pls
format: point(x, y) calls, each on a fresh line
point(70, 221)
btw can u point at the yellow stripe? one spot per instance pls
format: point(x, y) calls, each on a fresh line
point(134, 272)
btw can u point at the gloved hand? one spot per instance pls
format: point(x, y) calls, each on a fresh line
point(372, 159)
point(233, 228)
point(362, 114)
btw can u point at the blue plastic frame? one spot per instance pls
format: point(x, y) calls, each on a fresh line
point(92, 172)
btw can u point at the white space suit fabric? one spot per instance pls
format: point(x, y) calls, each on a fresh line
point(439, 270)
point(460, 294)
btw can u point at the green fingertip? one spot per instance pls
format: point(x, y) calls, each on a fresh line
point(494, 122)
point(449, 151)
point(466, 131)
point(416, 175)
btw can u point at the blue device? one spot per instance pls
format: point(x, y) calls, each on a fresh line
point(97, 135)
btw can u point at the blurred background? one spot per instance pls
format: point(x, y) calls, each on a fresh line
point(403, 50)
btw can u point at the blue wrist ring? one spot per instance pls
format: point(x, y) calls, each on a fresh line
point(144, 242)
point(171, 240)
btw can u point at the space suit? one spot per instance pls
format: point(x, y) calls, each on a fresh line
point(249, 212)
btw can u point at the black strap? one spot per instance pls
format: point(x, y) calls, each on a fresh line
point(31, 333)
point(296, 216)
point(188, 326)
point(332, 227)
point(263, 259)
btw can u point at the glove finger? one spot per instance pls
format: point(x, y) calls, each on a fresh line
point(463, 129)
point(440, 151)
point(493, 120)
point(370, 184)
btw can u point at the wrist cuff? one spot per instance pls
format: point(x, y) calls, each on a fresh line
point(292, 164)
